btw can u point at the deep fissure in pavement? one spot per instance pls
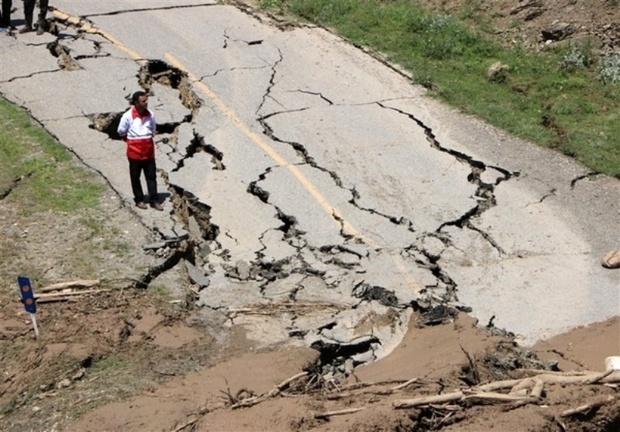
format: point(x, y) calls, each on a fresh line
point(337, 356)
point(485, 191)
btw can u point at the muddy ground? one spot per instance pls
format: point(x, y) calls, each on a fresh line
point(136, 357)
point(132, 359)
point(129, 358)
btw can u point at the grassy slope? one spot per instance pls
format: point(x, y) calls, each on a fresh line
point(38, 171)
point(43, 188)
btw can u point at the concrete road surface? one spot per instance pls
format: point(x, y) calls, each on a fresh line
point(317, 185)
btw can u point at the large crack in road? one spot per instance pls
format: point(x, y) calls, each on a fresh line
point(288, 286)
point(296, 281)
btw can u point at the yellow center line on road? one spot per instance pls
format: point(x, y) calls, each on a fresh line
point(256, 138)
point(89, 28)
point(271, 152)
point(294, 169)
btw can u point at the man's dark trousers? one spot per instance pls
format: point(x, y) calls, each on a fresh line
point(5, 21)
point(150, 172)
point(29, 9)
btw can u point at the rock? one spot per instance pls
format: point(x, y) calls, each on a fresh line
point(437, 315)
point(166, 233)
point(557, 31)
point(612, 259)
point(196, 275)
point(243, 270)
point(530, 4)
point(79, 374)
point(154, 246)
point(533, 14)
point(180, 232)
point(64, 383)
point(497, 72)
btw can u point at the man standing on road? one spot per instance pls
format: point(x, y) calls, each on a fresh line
point(5, 16)
point(137, 128)
point(29, 12)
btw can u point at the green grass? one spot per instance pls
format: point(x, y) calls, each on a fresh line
point(44, 174)
point(555, 98)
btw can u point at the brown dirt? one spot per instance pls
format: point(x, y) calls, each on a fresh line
point(131, 360)
point(523, 21)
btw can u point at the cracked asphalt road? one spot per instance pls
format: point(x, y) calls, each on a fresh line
point(307, 179)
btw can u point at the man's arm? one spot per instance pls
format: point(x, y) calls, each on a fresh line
point(123, 126)
point(154, 122)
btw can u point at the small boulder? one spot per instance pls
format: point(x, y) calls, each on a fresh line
point(612, 259)
point(498, 72)
point(557, 31)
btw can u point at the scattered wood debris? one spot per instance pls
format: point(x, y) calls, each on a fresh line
point(518, 394)
point(276, 391)
point(64, 291)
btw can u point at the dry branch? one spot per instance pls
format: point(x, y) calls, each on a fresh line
point(245, 403)
point(328, 414)
point(587, 407)
point(344, 395)
point(53, 300)
point(70, 294)
point(403, 385)
point(184, 425)
point(485, 392)
point(599, 377)
point(82, 283)
point(359, 385)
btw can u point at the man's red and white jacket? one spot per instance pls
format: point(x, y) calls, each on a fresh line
point(138, 131)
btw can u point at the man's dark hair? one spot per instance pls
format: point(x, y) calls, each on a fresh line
point(137, 95)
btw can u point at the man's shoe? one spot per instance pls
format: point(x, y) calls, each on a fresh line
point(25, 29)
point(157, 206)
point(40, 30)
point(141, 205)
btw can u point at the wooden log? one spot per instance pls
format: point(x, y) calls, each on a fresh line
point(498, 385)
point(553, 378)
point(537, 390)
point(70, 294)
point(524, 384)
point(537, 383)
point(82, 283)
point(593, 378)
point(427, 400)
point(500, 397)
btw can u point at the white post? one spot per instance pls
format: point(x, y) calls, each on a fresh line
point(34, 325)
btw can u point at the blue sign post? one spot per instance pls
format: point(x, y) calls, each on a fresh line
point(25, 289)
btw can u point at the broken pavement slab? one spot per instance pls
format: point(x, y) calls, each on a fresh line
point(197, 276)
